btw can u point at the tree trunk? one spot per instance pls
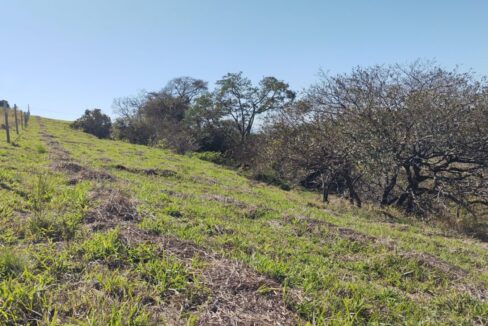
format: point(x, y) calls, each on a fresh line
point(389, 187)
point(326, 184)
point(354, 197)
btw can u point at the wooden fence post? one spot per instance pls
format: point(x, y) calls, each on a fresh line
point(27, 116)
point(6, 124)
point(16, 119)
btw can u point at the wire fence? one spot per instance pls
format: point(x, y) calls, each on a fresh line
point(12, 120)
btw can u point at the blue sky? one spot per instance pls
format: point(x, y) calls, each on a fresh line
point(63, 57)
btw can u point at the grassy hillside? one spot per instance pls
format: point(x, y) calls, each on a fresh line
point(102, 232)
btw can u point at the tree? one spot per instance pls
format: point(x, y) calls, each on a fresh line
point(309, 151)
point(238, 99)
point(417, 135)
point(159, 117)
point(185, 88)
point(94, 122)
point(4, 104)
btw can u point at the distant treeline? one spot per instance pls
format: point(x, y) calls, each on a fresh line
point(414, 137)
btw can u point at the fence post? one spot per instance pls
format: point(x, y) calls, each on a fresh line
point(6, 124)
point(16, 119)
point(27, 116)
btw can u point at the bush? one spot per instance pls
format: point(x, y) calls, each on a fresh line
point(94, 122)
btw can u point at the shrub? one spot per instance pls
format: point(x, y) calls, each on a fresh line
point(94, 122)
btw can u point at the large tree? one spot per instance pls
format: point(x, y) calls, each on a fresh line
point(237, 98)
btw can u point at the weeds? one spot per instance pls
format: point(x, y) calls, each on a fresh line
point(54, 227)
point(42, 192)
point(41, 149)
point(106, 246)
point(11, 263)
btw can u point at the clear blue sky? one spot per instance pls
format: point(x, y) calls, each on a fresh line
point(63, 57)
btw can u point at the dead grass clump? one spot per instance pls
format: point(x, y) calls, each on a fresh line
point(225, 200)
point(183, 250)
point(176, 194)
point(70, 167)
point(79, 172)
point(58, 155)
point(204, 180)
point(240, 296)
point(114, 206)
point(254, 212)
point(155, 172)
point(88, 174)
point(356, 236)
point(160, 172)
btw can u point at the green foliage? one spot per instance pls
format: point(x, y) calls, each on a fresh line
point(22, 299)
point(42, 193)
point(11, 263)
point(106, 246)
point(41, 149)
point(94, 122)
point(214, 157)
point(166, 274)
point(57, 227)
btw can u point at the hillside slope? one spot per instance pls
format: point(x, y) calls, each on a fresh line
point(104, 232)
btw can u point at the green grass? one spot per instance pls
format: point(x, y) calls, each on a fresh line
point(351, 266)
